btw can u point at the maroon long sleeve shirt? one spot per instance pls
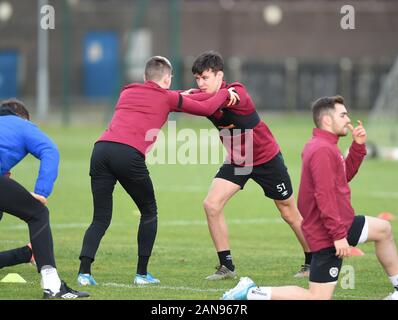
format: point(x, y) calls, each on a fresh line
point(145, 106)
point(324, 198)
point(262, 147)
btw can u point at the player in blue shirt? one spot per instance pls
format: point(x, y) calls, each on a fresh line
point(18, 137)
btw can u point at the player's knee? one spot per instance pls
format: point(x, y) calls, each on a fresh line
point(149, 210)
point(102, 223)
point(212, 208)
point(42, 214)
point(386, 229)
point(45, 214)
point(290, 217)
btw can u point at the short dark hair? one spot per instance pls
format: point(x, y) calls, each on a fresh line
point(16, 107)
point(323, 105)
point(156, 67)
point(208, 60)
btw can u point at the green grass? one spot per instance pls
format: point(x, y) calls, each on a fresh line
point(263, 246)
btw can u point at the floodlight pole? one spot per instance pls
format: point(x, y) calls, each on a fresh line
point(42, 93)
point(175, 52)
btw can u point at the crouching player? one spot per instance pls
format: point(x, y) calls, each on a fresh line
point(329, 222)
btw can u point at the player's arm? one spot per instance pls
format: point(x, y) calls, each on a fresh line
point(197, 95)
point(357, 150)
point(203, 108)
point(323, 170)
point(43, 148)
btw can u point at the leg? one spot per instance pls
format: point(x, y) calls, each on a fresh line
point(246, 289)
point(102, 185)
point(220, 192)
point(274, 178)
point(102, 189)
point(292, 216)
point(17, 201)
point(141, 191)
point(133, 175)
point(321, 286)
point(322, 281)
point(15, 256)
point(226, 183)
point(379, 231)
point(316, 291)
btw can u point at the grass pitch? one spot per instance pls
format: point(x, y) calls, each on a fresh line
point(263, 246)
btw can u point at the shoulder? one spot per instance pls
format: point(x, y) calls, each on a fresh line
point(18, 122)
point(323, 152)
point(132, 85)
point(236, 85)
point(29, 125)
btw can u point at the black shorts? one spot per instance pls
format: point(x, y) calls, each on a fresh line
point(325, 265)
point(272, 176)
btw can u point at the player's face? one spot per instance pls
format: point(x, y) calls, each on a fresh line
point(209, 81)
point(340, 120)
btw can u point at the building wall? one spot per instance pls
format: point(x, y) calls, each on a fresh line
point(309, 31)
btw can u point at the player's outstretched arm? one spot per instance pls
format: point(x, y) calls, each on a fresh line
point(209, 106)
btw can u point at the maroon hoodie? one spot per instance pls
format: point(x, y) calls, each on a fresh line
point(324, 198)
point(145, 106)
point(261, 147)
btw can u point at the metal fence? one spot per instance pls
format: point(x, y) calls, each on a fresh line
point(292, 86)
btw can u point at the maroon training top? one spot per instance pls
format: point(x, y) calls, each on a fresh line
point(262, 145)
point(324, 198)
point(145, 106)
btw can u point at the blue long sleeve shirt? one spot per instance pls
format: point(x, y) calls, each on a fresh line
point(18, 137)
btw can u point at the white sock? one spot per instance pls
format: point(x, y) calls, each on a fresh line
point(394, 281)
point(259, 293)
point(50, 279)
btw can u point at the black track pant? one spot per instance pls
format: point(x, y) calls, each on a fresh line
point(17, 201)
point(15, 256)
point(111, 162)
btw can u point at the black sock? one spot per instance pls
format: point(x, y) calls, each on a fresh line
point(308, 257)
point(85, 265)
point(225, 258)
point(142, 265)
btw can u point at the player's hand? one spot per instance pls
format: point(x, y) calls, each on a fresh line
point(187, 92)
point(233, 97)
point(343, 249)
point(42, 199)
point(358, 133)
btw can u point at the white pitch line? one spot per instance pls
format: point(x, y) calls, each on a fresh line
point(13, 241)
point(384, 194)
point(121, 285)
point(185, 189)
point(130, 286)
point(162, 223)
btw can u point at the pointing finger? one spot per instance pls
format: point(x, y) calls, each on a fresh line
point(349, 126)
point(359, 122)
